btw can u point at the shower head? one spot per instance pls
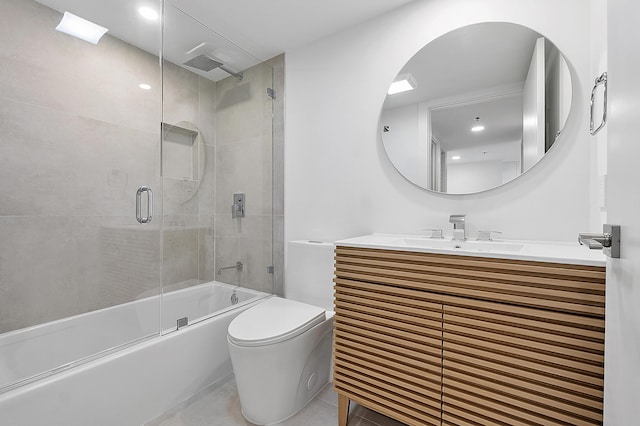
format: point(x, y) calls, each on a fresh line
point(203, 63)
point(206, 63)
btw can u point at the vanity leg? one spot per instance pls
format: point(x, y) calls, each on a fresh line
point(343, 410)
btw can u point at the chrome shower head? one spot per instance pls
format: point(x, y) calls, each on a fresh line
point(206, 63)
point(203, 63)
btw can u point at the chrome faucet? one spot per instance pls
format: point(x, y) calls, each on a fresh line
point(459, 230)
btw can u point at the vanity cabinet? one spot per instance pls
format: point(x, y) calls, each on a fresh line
point(464, 340)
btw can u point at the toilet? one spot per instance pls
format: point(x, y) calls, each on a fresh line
point(281, 348)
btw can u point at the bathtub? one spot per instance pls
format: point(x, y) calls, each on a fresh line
point(129, 386)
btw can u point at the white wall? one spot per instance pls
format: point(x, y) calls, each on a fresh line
point(339, 182)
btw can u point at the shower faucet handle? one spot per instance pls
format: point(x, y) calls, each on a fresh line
point(237, 208)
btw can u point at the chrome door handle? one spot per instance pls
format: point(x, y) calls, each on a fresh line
point(608, 241)
point(149, 216)
point(600, 80)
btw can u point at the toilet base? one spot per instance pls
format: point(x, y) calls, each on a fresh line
point(276, 381)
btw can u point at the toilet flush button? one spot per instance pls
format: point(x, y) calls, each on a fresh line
point(312, 380)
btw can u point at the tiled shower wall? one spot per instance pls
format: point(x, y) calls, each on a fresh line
point(189, 103)
point(78, 137)
point(249, 160)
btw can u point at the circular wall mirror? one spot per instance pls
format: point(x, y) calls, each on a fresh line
point(476, 108)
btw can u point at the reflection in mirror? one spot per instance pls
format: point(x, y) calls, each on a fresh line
point(482, 105)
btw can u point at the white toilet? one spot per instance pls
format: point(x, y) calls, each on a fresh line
point(281, 348)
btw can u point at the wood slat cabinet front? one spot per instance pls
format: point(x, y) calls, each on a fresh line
point(444, 339)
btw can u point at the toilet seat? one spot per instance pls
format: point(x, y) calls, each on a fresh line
point(273, 321)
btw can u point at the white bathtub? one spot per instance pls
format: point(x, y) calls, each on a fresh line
point(129, 386)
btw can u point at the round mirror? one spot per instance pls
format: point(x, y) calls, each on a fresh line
point(476, 108)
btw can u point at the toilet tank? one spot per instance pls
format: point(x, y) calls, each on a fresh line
point(309, 276)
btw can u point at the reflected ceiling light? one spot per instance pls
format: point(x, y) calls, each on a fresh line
point(455, 157)
point(144, 86)
point(402, 83)
point(148, 13)
point(478, 127)
point(81, 28)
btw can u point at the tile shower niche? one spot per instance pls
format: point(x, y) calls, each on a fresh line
point(182, 156)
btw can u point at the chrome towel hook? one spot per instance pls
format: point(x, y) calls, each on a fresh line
point(600, 80)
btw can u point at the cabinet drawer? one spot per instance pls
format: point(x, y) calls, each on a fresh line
point(550, 286)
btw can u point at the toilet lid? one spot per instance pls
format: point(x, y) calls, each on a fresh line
point(272, 321)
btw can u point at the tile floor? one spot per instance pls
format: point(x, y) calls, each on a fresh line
point(219, 405)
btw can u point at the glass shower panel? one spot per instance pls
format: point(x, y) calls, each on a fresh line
point(79, 134)
point(216, 142)
point(244, 136)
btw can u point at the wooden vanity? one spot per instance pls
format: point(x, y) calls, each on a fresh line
point(450, 339)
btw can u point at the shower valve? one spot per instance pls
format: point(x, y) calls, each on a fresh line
point(237, 209)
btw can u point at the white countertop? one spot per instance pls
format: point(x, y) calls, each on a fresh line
point(537, 251)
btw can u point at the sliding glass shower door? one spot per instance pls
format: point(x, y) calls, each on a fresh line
point(80, 270)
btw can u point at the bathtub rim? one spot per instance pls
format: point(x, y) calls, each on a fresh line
point(126, 346)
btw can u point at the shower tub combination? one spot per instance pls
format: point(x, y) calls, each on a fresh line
point(129, 386)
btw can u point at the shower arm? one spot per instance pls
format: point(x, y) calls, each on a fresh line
point(238, 267)
point(237, 75)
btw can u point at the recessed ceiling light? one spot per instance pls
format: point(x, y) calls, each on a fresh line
point(402, 83)
point(455, 157)
point(144, 86)
point(478, 127)
point(81, 28)
point(148, 13)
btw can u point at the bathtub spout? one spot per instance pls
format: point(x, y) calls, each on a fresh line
point(238, 267)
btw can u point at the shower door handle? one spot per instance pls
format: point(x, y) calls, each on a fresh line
point(149, 216)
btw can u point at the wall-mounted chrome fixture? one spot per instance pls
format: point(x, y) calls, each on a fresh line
point(237, 208)
point(238, 267)
point(600, 80)
point(459, 229)
point(608, 241)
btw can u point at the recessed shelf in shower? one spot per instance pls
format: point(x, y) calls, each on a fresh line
point(180, 153)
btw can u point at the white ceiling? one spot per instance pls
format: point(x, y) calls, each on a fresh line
point(244, 32)
point(268, 28)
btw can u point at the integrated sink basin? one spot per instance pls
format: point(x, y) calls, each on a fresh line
point(472, 245)
point(507, 249)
